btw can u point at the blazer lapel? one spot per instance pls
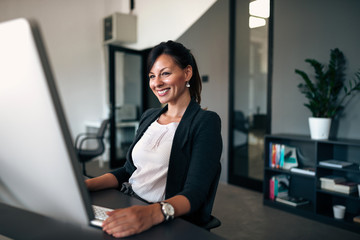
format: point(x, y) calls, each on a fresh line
point(182, 131)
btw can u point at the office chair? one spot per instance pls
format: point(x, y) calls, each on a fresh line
point(84, 154)
point(213, 221)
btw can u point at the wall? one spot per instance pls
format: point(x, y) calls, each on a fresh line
point(309, 29)
point(161, 20)
point(73, 39)
point(208, 39)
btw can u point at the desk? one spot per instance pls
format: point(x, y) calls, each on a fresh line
point(21, 224)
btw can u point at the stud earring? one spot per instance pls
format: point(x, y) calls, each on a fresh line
point(187, 84)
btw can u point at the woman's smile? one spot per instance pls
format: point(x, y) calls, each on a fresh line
point(163, 92)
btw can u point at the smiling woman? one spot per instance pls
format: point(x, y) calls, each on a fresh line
point(174, 161)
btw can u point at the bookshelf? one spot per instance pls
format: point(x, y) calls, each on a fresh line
point(320, 201)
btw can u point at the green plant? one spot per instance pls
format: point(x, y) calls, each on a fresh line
point(327, 93)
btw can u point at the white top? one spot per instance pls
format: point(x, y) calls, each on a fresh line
point(151, 156)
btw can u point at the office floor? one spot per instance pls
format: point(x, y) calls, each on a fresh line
point(244, 217)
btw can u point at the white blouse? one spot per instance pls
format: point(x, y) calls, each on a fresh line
point(151, 157)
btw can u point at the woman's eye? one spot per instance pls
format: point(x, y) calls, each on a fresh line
point(151, 76)
point(165, 74)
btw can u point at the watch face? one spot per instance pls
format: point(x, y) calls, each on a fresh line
point(169, 209)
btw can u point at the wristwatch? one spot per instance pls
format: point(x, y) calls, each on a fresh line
point(168, 210)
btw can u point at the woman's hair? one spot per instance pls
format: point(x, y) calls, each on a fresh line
point(182, 57)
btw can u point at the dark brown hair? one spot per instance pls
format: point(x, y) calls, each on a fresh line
point(182, 57)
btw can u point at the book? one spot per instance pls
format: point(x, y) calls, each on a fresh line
point(337, 184)
point(327, 186)
point(273, 156)
point(335, 163)
point(282, 156)
point(345, 187)
point(279, 186)
point(272, 188)
point(332, 179)
point(278, 155)
point(292, 201)
point(270, 154)
point(305, 170)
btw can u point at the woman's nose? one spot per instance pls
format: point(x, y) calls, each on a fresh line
point(157, 81)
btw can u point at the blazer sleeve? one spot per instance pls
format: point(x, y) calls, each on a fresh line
point(206, 149)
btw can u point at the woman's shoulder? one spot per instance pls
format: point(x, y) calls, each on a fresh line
point(200, 113)
point(208, 114)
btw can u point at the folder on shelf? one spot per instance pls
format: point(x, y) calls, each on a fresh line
point(306, 170)
point(292, 201)
point(335, 163)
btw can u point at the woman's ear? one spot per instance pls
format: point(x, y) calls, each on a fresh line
point(188, 73)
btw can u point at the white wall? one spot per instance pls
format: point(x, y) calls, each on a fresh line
point(72, 30)
point(161, 20)
point(309, 29)
point(72, 33)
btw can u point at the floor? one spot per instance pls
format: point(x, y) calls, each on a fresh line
point(244, 216)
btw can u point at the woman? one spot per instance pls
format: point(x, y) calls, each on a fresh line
point(175, 156)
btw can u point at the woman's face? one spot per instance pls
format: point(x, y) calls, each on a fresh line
point(167, 80)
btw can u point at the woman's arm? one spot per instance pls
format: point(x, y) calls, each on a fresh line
point(136, 219)
point(107, 180)
point(206, 149)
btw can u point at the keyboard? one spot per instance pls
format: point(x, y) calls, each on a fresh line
point(100, 213)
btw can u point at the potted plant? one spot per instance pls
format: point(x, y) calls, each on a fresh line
point(328, 93)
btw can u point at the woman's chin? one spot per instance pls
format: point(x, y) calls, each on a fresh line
point(162, 100)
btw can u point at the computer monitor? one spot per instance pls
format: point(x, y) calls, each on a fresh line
point(39, 170)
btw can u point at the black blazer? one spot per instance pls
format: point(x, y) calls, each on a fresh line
point(194, 157)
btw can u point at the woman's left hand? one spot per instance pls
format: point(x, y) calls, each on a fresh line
point(129, 221)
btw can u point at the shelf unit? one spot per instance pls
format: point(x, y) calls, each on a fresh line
point(309, 154)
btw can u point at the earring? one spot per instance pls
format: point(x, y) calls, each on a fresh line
point(187, 84)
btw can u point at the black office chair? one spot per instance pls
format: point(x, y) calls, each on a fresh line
point(85, 154)
point(213, 221)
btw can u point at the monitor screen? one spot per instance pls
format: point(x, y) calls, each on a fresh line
point(39, 170)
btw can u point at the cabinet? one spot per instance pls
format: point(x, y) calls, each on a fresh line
point(320, 202)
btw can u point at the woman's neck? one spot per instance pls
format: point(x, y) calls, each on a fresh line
point(174, 112)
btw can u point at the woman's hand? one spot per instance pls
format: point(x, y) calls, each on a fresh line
point(129, 221)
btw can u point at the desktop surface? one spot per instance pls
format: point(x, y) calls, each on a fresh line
point(22, 224)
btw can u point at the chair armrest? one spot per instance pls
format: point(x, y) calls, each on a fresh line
point(82, 137)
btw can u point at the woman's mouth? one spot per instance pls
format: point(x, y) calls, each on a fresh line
point(163, 92)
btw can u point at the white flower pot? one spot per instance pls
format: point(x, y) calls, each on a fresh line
point(319, 128)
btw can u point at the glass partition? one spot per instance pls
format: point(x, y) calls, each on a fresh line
point(126, 99)
point(249, 99)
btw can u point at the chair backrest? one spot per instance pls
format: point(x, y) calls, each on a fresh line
point(102, 129)
point(212, 193)
point(206, 209)
point(85, 155)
